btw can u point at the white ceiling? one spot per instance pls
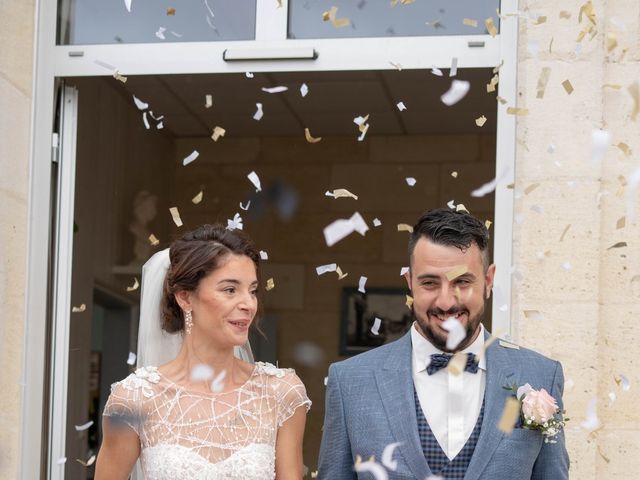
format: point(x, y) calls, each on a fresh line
point(334, 99)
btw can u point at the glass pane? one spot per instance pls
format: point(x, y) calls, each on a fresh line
point(82, 22)
point(380, 19)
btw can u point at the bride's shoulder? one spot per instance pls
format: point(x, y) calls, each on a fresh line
point(142, 380)
point(270, 370)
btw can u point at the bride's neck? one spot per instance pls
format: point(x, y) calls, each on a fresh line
point(194, 353)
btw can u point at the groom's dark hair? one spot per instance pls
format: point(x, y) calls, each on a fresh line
point(445, 226)
point(194, 256)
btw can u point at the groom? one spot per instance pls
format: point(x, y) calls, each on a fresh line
point(444, 425)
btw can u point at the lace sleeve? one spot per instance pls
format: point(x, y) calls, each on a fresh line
point(123, 405)
point(291, 394)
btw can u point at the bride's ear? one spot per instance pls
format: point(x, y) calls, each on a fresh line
point(184, 299)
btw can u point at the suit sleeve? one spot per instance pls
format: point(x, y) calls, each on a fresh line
point(336, 462)
point(553, 460)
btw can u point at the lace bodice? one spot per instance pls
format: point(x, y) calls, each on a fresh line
point(188, 435)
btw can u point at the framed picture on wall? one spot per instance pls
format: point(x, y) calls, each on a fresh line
point(358, 318)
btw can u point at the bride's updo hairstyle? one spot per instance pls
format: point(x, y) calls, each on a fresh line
point(193, 257)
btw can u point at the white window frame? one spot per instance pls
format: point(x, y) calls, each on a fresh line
point(52, 61)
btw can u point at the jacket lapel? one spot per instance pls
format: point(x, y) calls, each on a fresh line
point(499, 370)
point(395, 385)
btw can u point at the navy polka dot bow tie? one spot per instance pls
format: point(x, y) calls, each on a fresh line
point(441, 360)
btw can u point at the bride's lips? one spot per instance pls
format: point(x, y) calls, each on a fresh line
point(240, 324)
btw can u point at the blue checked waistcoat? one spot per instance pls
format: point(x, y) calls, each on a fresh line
point(437, 460)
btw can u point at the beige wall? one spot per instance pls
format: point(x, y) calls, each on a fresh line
point(589, 313)
point(16, 40)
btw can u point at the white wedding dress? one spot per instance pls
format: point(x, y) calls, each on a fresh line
point(194, 435)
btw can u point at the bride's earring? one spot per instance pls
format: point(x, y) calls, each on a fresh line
point(188, 321)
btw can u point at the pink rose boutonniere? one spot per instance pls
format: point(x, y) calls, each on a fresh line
point(539, 411)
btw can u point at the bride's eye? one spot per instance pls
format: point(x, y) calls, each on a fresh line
point(230, 290)
point(254, 292)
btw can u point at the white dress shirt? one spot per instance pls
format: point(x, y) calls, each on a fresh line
point(451, 403)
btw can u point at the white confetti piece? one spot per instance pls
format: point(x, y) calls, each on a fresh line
point(198, 198)
point(454, 67)
point(201, 373)
point(403, 270)
point(127, 4)
point(160, 125)
point(329, 267)
point(277, 89)
point(372, 467)
point(140, 104)
point(218, 383)
point(375, 328)
point(88, 463)
point(551, 148)
point(264, 255)
point(436, 71)
point(84, 426)
point(135, 285)
point(208, 101)
point(456, 332)
point(624, 382)
point(401, 106)
point(245, 207)
point(566, 265)
point(145, 120)
point(451, 204)
point(235, 223)
point(217, 133)
point(326, 380)
point(341, 228)
point(259, 113)
point(612, 396)
point(190, 158)
point(361, 284)
point(79, 309)
point(340, 193)
point(410, 181)
point(176, 34)
point(304, 90)
point(160, 33)
point(490, 186)
point(457, 91)
point(61, 460)
point(248, 74)
point(591, 422)
point(387, 456)
point(253, 177)
point(175, 215)
point(131, 360)
point(376, 222)
point(599, 142)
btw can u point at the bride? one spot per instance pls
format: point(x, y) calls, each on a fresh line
point(209, 412)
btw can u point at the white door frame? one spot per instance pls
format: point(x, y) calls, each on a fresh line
point(51, 62)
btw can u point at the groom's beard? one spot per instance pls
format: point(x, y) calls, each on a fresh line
point(439, 339)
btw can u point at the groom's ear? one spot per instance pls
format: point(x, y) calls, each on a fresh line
point(407, 277)
point(183, 299)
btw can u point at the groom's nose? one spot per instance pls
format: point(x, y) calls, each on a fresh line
point(446, 298)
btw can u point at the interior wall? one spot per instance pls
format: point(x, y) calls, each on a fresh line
point(307, 306)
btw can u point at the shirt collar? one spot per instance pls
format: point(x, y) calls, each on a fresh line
point(422, 349)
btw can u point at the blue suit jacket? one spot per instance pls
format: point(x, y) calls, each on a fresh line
point(370, 403)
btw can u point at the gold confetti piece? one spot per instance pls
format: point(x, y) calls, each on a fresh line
point(564, 232)
point(618, 245)
point(341, 193)
point(550, 44)
point(614, 86)
point(456, 272)
point(612, 41)
point(397, 66)
point(198, 198)
point(461, 208)
point(171, 11)
point(567, 87)
point(480, 121)
point(217, 133)
point(543, 79)
point(510, 415)
point(503, 101)
point(487, 224)
point(565, 14)
point(153, 240)
point(634, 91)
point(587, 10)
point(409, 301)
point(175, 214)
point(531, 188)
point(135, 285)
point(120, 78)
point(79, 309)
point(621, 222)
point(403, 227)
point(454, 174)
point(326, 16)
point(540, 20)
point(270, 284)
point(497, 68)
point(457, 364)
point(491, 28)
point(624, 148)
point(331, 16)
point(517, 111)
point(340, 274)
point(310, 139)
point(435, 24)
point(279, 3)
point(470, 22)
point(491, 86)
point(604, 457)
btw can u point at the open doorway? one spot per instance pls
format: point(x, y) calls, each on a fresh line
point(128, 176)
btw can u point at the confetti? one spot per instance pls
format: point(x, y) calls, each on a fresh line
point(135, 285)
point(517, 111)
point(270, 284)
point(160, 126)
point(456, 272)
point(624, 148)
point(190, 158)
point(623, 382)
point(79, 309)
point(564, 232)
point(565, 14)
point(480, 121)
point(245, 207)
point(457, 91)
point(502, 100)
point(131, 359)
point(341, 228)
point(218, 383)
point(375, 328)
point(457, 332)
point(304, 90)
point(403, 270)
point(217, 133)
point(591, 422)
point(84, 426)
point(253, 177)
point(543, 79)
point(259, 113)
point(599, 143)
point(490, 186)
point(618, 245)
point(61, 460)
point(567, 87)
point(140, 104)
point(340, 193)
point(248, 74)
point(330, 15)
point(123, 79)
point(487, 224)
point(127, 4)
point(612, 41)
point(491, 86)
point(208, 101)
point(410, 181)
point(377, 470)
point(461, 208)
point(340, 274)
point(401, 106)
point(201, 373)
point(634, 91)
point(160, 33)
point(198, 198)
point(531, 188)
point(457, 364)
point(322, 269)
point(88, 463)
point(153, 240)
point(264, 255)
point(363, 126)
point(309, 138)
point(620, 223)
point(436, 71)
point(175, 214)
point(235, 223)
point(533, 315)
point(409, 301)
point(566, 265)
point(454, 174)
point(540, 19)
point(376, 222)
point(403, 227)
point(277, 89)
point(171, 11)
point(145, 121)
point(510, 415)
point(361, 284)
point(453, 70)
point(470, 22)
point(491, 28)
point(387, 456)
point(397, 66)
